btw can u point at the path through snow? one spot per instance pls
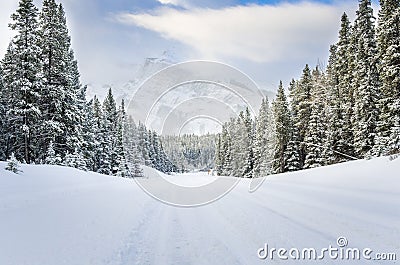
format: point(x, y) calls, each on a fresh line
point(55, 215)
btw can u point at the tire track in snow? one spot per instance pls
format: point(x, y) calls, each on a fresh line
point(132, 251)
point(157, 239)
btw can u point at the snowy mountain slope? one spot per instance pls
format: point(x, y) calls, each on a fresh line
point(57, 215)
point(176, 105)
point(140, 73)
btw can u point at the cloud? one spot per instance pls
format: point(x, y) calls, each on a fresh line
point(173, 2)
point(258, 33)
point(7, 8)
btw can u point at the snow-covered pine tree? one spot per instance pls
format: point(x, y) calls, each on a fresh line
point(144, 144)
point(294, 100)
point(334, 112)
point(74, 99)
point(69, 160)
point(53, 55)
point(157, 154)
point(134, 165)
point(345, 65)
point(226, 146)
point(3, 123)
point(73, 105)
point(121, 144)
point(163, 164)
point(152, 152)
point(388, 39)
point(190, 151)
point(301, 97)
point(13, 164)
point(257, 149)
point(264, 140)
point(109, 130)
point(292, 152)
point(238, 140)
point(167, 166)
point(8, 98)
point(155, 151)
point(89, 129)
point(248, 144)
point(282, 125)
point(365, 80)
point(133, 139)
point(172, 148)
point(229, 131)
point(80, 160)
point(101, 143)
point(75, 160)
point(24, 78)
point(227, 169)
point(315, 135)
point(51, 157)
point(218, 156)
point(340, 100)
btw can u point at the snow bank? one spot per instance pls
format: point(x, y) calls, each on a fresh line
point(57, 215)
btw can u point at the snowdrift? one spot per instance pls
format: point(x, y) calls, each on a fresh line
point(57, 215)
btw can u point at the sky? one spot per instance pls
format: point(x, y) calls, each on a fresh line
point(269, 40)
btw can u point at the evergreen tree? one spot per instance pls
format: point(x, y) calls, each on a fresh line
point(248, 144)
point(264, 141)
point(73, 104)
point(346, 87)
point(340, 97)
point(3, 118)
point(134, 158)
point(75, 160)
point(144, 145)
point(102, 144)
point(54, 78)
point(89, 129)
point(228, 168)
point(226, 147)
point(80, 161)
point(121, 145)
point(292, 152)
point(334, 112)
point(152, 151)
point(388, 39)
point(13, 165)
point(282, 122)
point(218, 156)
point(135, 169)
point(8, 99)
point(24, 79)
point(315, 136)
point(238, 145)
point(109, 131)
point(51, 157)
point(302, 108)
point(69, 160)
point(366, 81)
point(155, 154)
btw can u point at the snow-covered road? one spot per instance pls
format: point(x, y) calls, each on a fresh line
point(56, 215)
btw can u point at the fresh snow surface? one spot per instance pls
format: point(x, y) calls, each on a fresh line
point(57, 215)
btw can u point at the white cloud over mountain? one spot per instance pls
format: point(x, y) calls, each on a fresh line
point(256, 33)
